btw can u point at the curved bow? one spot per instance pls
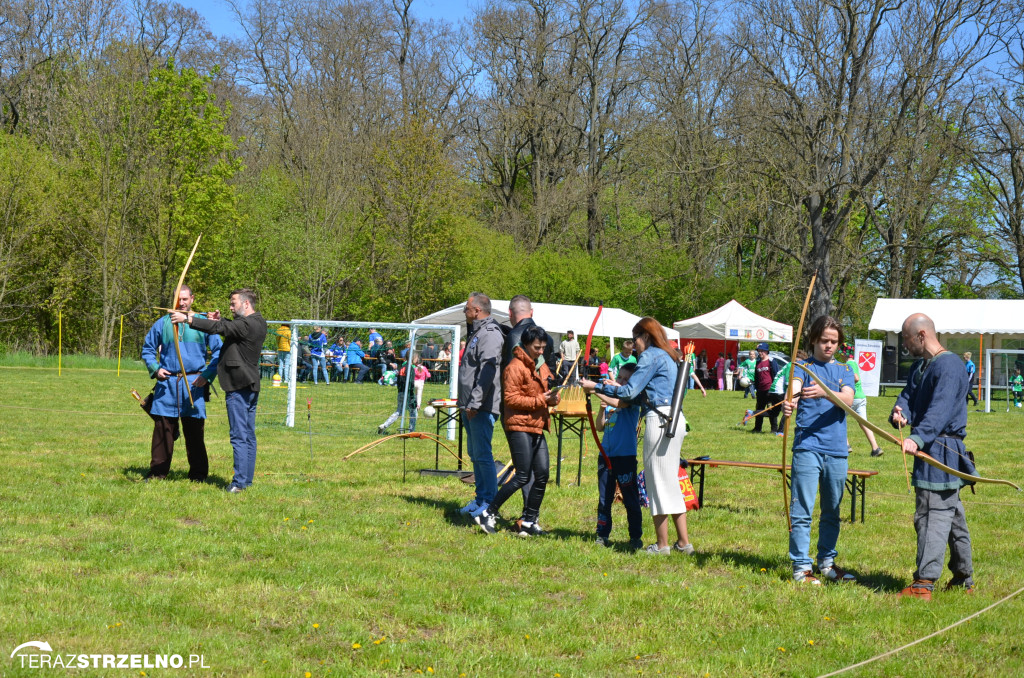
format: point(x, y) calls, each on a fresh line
point(590, 410)
point(174, 303)
point(417, 435)
point(789, 395)
point(831, 395)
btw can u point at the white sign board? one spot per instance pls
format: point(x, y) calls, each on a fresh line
point(868, 354)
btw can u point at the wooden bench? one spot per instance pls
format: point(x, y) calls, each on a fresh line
point(855, 481)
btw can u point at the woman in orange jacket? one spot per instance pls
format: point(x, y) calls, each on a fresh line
point(527, 398)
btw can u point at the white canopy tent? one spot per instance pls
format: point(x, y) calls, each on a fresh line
point(557, 319)
point(733, 322)
point(1002, 319)
point(952, 316)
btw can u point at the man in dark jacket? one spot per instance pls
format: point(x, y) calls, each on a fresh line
point(520, 315)
point(934, 405)
point(239, 375)
point(480, 396)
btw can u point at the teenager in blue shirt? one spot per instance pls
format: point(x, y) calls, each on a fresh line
point(819, 453)
point(317, 344)
point(337, 351)
point(619, 420)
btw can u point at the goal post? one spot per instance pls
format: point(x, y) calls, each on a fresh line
point(411, 328)
point(1007, 357)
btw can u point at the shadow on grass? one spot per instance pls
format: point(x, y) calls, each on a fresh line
point(879, 582)
point(449, 508)
point(137, 474)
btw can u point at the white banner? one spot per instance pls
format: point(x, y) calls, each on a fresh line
point(868, 354)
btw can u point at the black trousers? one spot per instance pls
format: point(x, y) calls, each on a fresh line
point(529, 455)
point(623, 472)
point(970, 388)
point(165, 430)
point(766, 399)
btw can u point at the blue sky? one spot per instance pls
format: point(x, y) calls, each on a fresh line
point(222, 23)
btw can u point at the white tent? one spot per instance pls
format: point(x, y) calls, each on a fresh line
point(557, 319)
point(733, 322)
point(952, 316)
point(1001, 319)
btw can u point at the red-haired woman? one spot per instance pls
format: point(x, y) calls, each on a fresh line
point(651, 387)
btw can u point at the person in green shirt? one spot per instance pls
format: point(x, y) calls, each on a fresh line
point(1017, 384)
point(860, 401)
point(623, 358)
point(747, 368)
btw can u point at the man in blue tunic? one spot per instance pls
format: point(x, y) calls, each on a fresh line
point(170, 396)
point(934, 405)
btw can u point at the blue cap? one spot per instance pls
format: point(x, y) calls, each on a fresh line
point(762, 346)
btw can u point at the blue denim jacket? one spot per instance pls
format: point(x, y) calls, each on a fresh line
point(655, 376)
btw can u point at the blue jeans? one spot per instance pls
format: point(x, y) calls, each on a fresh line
point(283, 360)
point(321, 362)
point(813, 472)
point(624, 472)
point(363, 369)
point(241, 407)
point(479, 431)
point(750, 390)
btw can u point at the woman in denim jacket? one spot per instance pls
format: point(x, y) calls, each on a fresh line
point(651, 387)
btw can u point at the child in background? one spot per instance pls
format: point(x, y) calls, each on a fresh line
point(420, 376)
point(603, 369)
point(1017, 384)
point(619, 422)
point(411, 406)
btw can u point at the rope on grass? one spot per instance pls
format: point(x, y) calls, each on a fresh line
point(921, 640)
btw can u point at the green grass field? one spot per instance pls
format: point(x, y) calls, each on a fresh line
point(339, 568)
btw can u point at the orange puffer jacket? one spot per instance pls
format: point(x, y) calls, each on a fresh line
point(524, 387)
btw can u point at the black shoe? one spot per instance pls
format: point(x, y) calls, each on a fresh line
point(877, 452)
point(487, 522)
point(636, 544)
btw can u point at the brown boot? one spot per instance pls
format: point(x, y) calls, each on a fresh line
point(959, 583)
point(919, 589)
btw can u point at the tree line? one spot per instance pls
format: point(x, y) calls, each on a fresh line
point(350, 160)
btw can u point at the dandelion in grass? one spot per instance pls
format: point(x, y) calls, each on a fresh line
point(356, 646)
point(303, 527)
point(430, 669)
point(810, 642)
point(782, 649)
point(311, 522)
point(308, 674)
point(286, 520)
point(316, 626)
point(379, 640)
point(527, 636)
point(763, 569)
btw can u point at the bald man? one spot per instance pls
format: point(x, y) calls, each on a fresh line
point(934, 406)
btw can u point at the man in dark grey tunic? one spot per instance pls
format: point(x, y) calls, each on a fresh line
point(934, 404)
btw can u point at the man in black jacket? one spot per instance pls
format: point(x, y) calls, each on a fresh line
point(239, 375)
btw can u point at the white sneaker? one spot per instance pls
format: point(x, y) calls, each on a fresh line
point(835, 573)
point(470, 507)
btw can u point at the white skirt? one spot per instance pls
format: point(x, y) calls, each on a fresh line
point(661, 465)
